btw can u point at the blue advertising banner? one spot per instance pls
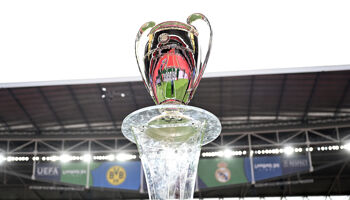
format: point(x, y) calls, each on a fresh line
point(264, 167)
point(211, 172)
point(122, 175)
point(294, 164)
point(48, 171)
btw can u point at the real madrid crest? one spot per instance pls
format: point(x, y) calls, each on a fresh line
point(222, 174)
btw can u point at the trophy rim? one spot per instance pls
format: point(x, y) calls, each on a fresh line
point(210, 133)
point(173, 25)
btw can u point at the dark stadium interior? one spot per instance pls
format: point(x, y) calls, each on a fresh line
point(260, 111)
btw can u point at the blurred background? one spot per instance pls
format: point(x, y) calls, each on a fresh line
point(283, 135)
point(278, 79)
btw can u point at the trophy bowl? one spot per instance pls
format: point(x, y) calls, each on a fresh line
point(172, 57)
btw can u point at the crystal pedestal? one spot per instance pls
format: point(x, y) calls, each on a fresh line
point(169, 140)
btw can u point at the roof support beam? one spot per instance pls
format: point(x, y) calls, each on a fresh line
point(337, 177)
point(323, 135)
point(22, 146)
point(108, 108)
point(36, 193)
point(80, 141)
point(103, 145)
point(77, 103)
point(264, 139)
point(235, 140)
point(309, 101)
point(341, 100)
point(52, 110)
point(278, 108)
point(37, 129)
point(5, 123)
point(110, 134)
point(250, 97)
point(76, 145)
point(291, 137)
point(48, 145)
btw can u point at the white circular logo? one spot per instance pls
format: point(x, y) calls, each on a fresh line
point(222, 174)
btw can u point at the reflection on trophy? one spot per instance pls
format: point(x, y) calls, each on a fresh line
point(170, 60)
point(172, 57)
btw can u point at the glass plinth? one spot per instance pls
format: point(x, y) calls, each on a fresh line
point(169, 140)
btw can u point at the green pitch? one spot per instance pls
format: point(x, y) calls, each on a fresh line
point(164, 90)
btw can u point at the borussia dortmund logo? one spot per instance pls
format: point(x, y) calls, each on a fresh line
point(116, 175)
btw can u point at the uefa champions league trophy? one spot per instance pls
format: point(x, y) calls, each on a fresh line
point(172, 57)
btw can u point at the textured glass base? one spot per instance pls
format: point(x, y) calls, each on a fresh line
point(169, 139)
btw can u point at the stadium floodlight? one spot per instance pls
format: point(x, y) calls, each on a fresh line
point(219, 153)
point(53, 158)
point(87, 158)
point(228, 153)
point(110, 157)
point(65, 158)
point(2, 158)
point(10, 159)
point(347, 146)
point(288, 150)
point(124, 157)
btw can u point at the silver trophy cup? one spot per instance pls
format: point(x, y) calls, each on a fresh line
point(172, 57)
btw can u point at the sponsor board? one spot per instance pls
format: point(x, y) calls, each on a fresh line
point(48, 171)
point(266, 167)
point(220, 172)
point(294, 164)
point(122, 175)
point(211, 172)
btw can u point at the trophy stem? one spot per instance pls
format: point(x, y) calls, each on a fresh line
point(170, 171)
point(169, 140)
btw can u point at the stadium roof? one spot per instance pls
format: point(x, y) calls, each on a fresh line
point(244, 104)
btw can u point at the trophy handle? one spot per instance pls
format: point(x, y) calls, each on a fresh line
point(205, 34)
point(142, 38)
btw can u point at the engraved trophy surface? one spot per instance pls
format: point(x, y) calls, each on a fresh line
point(172, 57)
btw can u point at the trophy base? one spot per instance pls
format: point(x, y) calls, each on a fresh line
point(171, 123)
point(169, 139)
